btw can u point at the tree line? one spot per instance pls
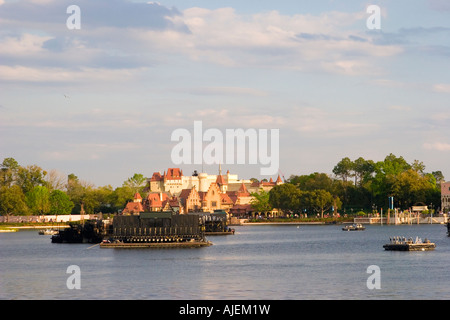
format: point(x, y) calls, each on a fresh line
point(31, 190)
point(356, 185)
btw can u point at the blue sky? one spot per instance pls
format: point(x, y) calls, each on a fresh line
point(102, 101)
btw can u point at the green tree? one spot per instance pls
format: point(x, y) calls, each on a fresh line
point(8, 172)
point(321, 200)
point(121, 196)
point(29, 177)
point(38, 200)
point(12, 201)
point(314, 181)
point(260, 201)
point(137, 182)
point(106, 199)
point(60, 203)
point(363, 170)
point(344, 169)
point(285, 197)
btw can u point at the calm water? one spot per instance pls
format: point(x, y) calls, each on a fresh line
point(258, 262)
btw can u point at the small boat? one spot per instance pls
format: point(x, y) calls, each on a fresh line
point(48, 232)
point(403, 244)
point(354, 227)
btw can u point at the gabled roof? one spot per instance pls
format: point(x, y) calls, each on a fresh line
point(186, 193)
point(220, 180)
point(225, 198)
point(154, 199)
point(133, 207)
point(173, 174)
point(156, 176)
point(243, 190)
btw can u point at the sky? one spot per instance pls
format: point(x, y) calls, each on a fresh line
point(102, 101)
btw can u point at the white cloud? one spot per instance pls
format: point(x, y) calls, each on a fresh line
point(45, 74)
point(437, 146)
point(273, 40)
point(304, 42)
point(27, 44)
point(442, 87)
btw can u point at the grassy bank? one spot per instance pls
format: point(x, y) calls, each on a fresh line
point(303, 220)
point(30, 225)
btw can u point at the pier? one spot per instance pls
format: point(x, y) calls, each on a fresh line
point(403, 218)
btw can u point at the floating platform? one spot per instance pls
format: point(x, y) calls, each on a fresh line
point(401, 244)
point(134, 245)
point(220, 233)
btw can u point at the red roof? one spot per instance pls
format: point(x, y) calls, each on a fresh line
point(154, 199)
point(220, 180)
point(241, 208)
point(185, 193)
point(156, 177)
point(173, 174)
point(243, 191)
point(225, 198)
point(133, 207)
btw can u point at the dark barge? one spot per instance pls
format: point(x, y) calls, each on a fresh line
point(91, 231)
point(156, 230)
point(216, 223)
point(403, 244)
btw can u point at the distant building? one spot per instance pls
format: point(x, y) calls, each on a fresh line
point(445, 197)
point(172, 191)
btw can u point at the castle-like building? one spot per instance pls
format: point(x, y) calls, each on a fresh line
point(200, 192)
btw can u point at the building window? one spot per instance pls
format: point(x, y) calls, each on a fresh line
point(213, 204)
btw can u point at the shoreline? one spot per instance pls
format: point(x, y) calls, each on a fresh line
point(33, 227)
point(286, 223)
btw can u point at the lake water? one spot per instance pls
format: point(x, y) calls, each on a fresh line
point(259, 262)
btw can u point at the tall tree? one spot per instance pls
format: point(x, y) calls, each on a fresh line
point(8, 172)
point(321, 201)
point(60, 203)
point(260, 201)
point(136, 182)
point(363, 170)
point(38, 200)
point(12, 201)
point(285, 197)
point(29, 177)
point(344, 169)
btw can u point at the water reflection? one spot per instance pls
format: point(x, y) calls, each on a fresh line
point(258, 262)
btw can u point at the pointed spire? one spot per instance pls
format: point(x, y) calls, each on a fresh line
point(220, 181)
point(243, 188)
